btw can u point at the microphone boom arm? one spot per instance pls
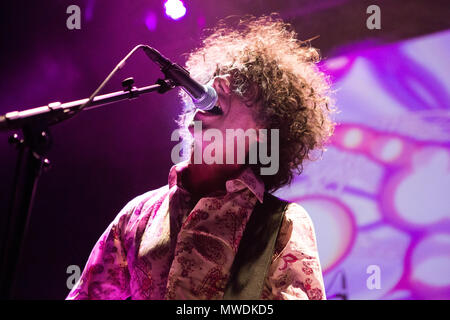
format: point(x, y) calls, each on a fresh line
point(56, 112)
point(32, 150)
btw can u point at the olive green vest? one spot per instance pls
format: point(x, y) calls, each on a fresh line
point(254, 256)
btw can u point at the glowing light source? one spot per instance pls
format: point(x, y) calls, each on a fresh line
point(151, 21)
point(392, 149)
point(353, 138)
point(175, 9)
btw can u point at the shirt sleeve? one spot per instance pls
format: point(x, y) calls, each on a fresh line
point(106, 275)
point(295, 272)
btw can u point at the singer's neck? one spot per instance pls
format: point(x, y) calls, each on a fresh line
point(203, 179)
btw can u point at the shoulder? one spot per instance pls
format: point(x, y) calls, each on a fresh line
point(294, 214)
point(298, 216)
point(297, 230)
point(147, 198)
point(137, 205)
point(303, 235)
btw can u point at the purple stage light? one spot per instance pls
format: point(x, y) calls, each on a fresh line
point(151, 21)
point(175, 9)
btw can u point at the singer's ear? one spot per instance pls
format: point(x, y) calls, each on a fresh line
point(222, 84)
point(252, 95)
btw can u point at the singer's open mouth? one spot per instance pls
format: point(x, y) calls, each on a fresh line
point(216, 110)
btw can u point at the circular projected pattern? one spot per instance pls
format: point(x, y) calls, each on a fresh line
point(336, 232)
point(418, 196)
point(431, 264)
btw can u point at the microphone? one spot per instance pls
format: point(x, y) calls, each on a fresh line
point(204, 97)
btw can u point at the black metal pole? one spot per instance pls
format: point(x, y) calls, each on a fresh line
point(33, 148)
point(31, 158)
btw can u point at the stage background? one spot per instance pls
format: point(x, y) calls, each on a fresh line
point(378, 198)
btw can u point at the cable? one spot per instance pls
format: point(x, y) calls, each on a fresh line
point(116, 68)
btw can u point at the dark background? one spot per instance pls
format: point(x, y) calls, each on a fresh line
point(105, 157)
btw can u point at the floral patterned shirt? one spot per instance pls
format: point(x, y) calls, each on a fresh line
point(162, 245)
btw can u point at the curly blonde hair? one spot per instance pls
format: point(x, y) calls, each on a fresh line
point(268, 64)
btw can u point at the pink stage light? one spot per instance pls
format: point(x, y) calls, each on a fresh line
point(151, 21)
point(175, 9)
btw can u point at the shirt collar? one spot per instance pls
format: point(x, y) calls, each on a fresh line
point(246, 179)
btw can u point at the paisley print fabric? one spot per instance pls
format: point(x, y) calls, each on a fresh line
point(162, 245)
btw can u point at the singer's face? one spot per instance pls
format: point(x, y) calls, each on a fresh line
point(234, 115)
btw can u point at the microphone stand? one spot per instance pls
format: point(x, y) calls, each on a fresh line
point(32, 148)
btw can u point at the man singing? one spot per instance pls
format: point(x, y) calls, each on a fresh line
point(215, 231)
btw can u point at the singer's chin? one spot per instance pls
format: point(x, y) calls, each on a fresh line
point(190, 127)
